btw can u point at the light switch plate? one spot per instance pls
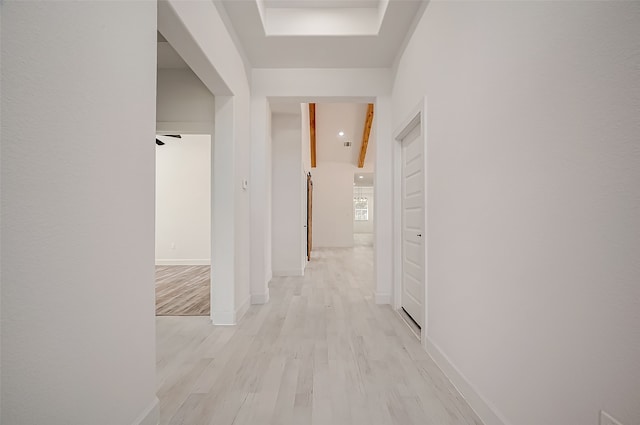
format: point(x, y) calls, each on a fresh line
point(607, 419)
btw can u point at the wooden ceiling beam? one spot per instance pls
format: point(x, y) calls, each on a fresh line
point(312, 133)
point(365, 135)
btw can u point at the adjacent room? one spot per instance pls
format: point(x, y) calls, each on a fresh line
point(183, 225)
point(185, 112)
point(343, 175)
point(363, 209)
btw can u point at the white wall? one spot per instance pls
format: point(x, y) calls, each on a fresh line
point(364, 226)
point(182, 98)
point(268, 184)
point(0, 217)
point(78, 328)
point(260, 200)
point(306, 169)
point(183, 200)
point(183, 104)
point(533, 199)
point(343, 85)
point(288, 217)
point(305, 139)
point(332, 205)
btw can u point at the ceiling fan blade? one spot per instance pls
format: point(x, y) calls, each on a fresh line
point(159, 142)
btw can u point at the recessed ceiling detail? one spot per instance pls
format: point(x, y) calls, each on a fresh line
point(321, 18)
point(321, 3)
point(321, 33)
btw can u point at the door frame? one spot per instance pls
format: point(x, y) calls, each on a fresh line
point(225, 308)
point(417, 117)
point(309, 225)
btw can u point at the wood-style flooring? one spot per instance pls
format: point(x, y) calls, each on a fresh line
point(319, 353)
point(183, 290)
point(363, 239)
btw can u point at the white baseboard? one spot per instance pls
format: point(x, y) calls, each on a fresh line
point(487, 413)
point(150, 415)
point(260, 298)
point(382, 298)
point(176, 262)
point(230, 318)
point(290, 272)
point(240, 312)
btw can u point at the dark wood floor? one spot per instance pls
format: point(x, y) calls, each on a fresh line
point(183, 290)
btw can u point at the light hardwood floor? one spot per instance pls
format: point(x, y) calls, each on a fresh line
point(319, 353)
point(183, 290)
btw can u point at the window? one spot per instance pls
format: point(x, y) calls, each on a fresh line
point(361, 209)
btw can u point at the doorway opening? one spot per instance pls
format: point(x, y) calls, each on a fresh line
point(183, 225)
point(323, 156)
point(363, 209)
point(309, 225)
point(185, 110)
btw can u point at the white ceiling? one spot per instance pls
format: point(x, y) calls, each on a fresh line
point(331, 118)
point(320, 51)
point(322, 3)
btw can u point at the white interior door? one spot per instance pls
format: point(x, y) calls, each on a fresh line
point(413, 226)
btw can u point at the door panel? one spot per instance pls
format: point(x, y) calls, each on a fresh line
point(413, 271)
point(413, 185)
point(413, 253)
point(413, 218)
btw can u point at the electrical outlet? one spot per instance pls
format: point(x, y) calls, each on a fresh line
point(607, 419)
point(173, 245)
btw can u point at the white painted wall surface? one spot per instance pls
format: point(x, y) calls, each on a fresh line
point(183, 200)
point(360, 226)
point(347, 84)
point(269, 210)
point(78, 124)
point(0, 218)
point(304, 218)
point(306, 169)
point(332, 205)
point(183, 98)
point(383, 242)
point(533, 200)
point(305, 140)
point(260, 199)
point(288, 217)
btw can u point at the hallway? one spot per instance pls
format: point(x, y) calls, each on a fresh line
point(320, 352)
